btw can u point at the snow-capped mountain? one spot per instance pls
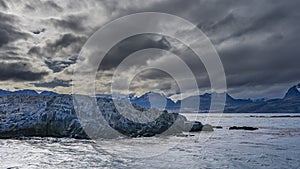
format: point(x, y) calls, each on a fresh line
point(48, 93)
point(293, 92)
point(289, 104)
point(27, 93)
point(157, 100)
point(4, 92)
point(154, 100)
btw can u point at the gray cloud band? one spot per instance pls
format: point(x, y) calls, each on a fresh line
point(99, 44)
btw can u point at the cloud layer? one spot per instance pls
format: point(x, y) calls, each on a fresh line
point(258, 43)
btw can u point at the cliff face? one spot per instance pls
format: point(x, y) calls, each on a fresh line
point(32, 115)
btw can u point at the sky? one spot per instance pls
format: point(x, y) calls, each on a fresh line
point(257, 41)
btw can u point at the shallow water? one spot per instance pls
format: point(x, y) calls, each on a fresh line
point(275, 145)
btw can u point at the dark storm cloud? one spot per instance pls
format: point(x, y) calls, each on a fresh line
point(267, 21)
point(4, 37)
point(152, 85)
point(183, 52)
point(53, 54)
point(257, 64)
point(149, 79)
point(130, 45)
point(29, 7)
point(58, 66)
point(71, 22)
point(266, 52)
point(39, 31)
point(9, 33)
point(256, 40)
point(49, 5)
point(54, 6)
point(19, 72)
point(65, 41)
point(54, 83)
point(60, 53)
point(6, 17)
point(36, 50)
point(3, 4)
point(153, 74)
point(68, 42)
point(12, 56)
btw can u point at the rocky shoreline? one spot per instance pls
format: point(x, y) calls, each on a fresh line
point(55, 116)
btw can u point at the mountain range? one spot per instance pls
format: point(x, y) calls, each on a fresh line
point(26, 92)
point(290, 103)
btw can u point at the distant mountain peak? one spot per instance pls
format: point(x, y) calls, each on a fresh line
point(293, 92)
point(4, 92)
point(26, 92)
point(153, 99)
point(155, 93)
point(206, 95)
point(48, 93)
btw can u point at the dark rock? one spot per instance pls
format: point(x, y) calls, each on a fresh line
point(217, 127)
point(242, 128)
point(277, 116)
point(185, 135)
point(207, 127)
point(196, 126)
point(193, 126)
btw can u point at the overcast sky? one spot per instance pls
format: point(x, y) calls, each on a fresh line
point(258, 42)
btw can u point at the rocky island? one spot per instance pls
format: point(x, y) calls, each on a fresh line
point(28, 113)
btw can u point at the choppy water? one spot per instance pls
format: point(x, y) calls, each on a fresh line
point(275, 145)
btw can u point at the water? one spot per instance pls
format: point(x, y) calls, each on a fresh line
point(275, 145)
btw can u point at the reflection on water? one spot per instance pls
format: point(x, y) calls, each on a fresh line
point(275, 145)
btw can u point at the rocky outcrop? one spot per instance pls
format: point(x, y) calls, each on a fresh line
point(242, 128)
point(195, 126)
point(51, 116)
point(55, 116)
point(46, 124)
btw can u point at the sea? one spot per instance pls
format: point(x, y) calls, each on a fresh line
point(276, 144)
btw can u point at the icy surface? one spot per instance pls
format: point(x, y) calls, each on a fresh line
point(275, 145)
